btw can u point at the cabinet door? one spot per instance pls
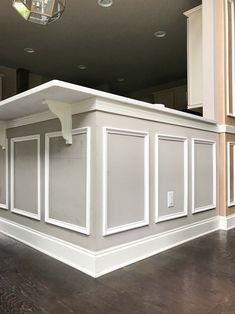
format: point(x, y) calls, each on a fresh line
point(195, 72)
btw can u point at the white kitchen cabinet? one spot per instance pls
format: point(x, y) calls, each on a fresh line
point(195, 57)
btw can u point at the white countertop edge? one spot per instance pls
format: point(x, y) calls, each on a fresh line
point(104, 96)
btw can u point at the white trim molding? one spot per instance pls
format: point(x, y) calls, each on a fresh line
point(230, 82)
point(102, 262)
point(3, 134)
point(137, 224)
point(209, 206)
point(227, 222)
point(72, 255)
point(179, 139)
point(6, 205)
point(81, 229)
point(229, 202)
point(19, 211)
point(225, 128)
point(148, 112)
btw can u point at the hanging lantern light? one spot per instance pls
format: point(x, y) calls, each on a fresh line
point(40, 11)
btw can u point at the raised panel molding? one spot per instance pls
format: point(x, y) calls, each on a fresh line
point(230, 60)
point(6, 205)
point(129, 226)
point(213, 147)
point(19, 211)
point(85, 230)
point(229, 181)
point(179, 139)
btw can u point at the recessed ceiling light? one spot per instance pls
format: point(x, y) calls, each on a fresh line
point(120, 79)
point(29, 50)
point(82, 67)
point(105, 3)
point(160, 34)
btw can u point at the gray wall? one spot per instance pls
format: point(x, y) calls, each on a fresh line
point(26, 176)
point(66, 154)
point(203, 174)
point(126, 179)
point(2, 176)
point(171, 170)
point(67, 180)
point(171, 164)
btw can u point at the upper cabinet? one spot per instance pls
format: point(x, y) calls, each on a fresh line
point(195, 57)
point(230, 57)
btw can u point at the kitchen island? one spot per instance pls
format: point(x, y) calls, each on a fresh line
point(99, 181)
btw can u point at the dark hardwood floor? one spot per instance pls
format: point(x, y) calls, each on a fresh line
point(197, 277)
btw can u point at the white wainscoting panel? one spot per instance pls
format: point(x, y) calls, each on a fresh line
point(131, 134)
point(70, 226)
point(6, 204)
point(230, 61)
point(184, 210)
point(212, 184)
point(231, 178)
point(21, 211)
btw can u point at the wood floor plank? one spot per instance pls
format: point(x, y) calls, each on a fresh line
point(195, 278)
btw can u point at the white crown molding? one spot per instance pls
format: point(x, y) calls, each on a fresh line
point(91, 105)
point(221, 128)
point(225, 128)
point(30, 119)
point(153, 113)
point(81, 107)
point(148, 112)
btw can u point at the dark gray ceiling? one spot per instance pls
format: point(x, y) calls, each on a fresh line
point(113, 42)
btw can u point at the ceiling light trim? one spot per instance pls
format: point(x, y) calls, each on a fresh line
point(105, 3)
point(29, 50)
point(160, 34)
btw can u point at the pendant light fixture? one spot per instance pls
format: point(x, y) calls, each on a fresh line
point(40, 11)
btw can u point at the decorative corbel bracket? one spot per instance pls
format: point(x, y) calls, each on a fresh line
point(3, 135)
point(64, 113)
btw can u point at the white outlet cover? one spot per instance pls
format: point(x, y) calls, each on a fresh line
point(170, 199)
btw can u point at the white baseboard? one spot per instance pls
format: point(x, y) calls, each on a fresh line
point(227, 223)
point(99, 263)
point(117, 257)
point(65, 252)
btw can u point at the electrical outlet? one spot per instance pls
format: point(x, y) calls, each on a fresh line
point(170, 199)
